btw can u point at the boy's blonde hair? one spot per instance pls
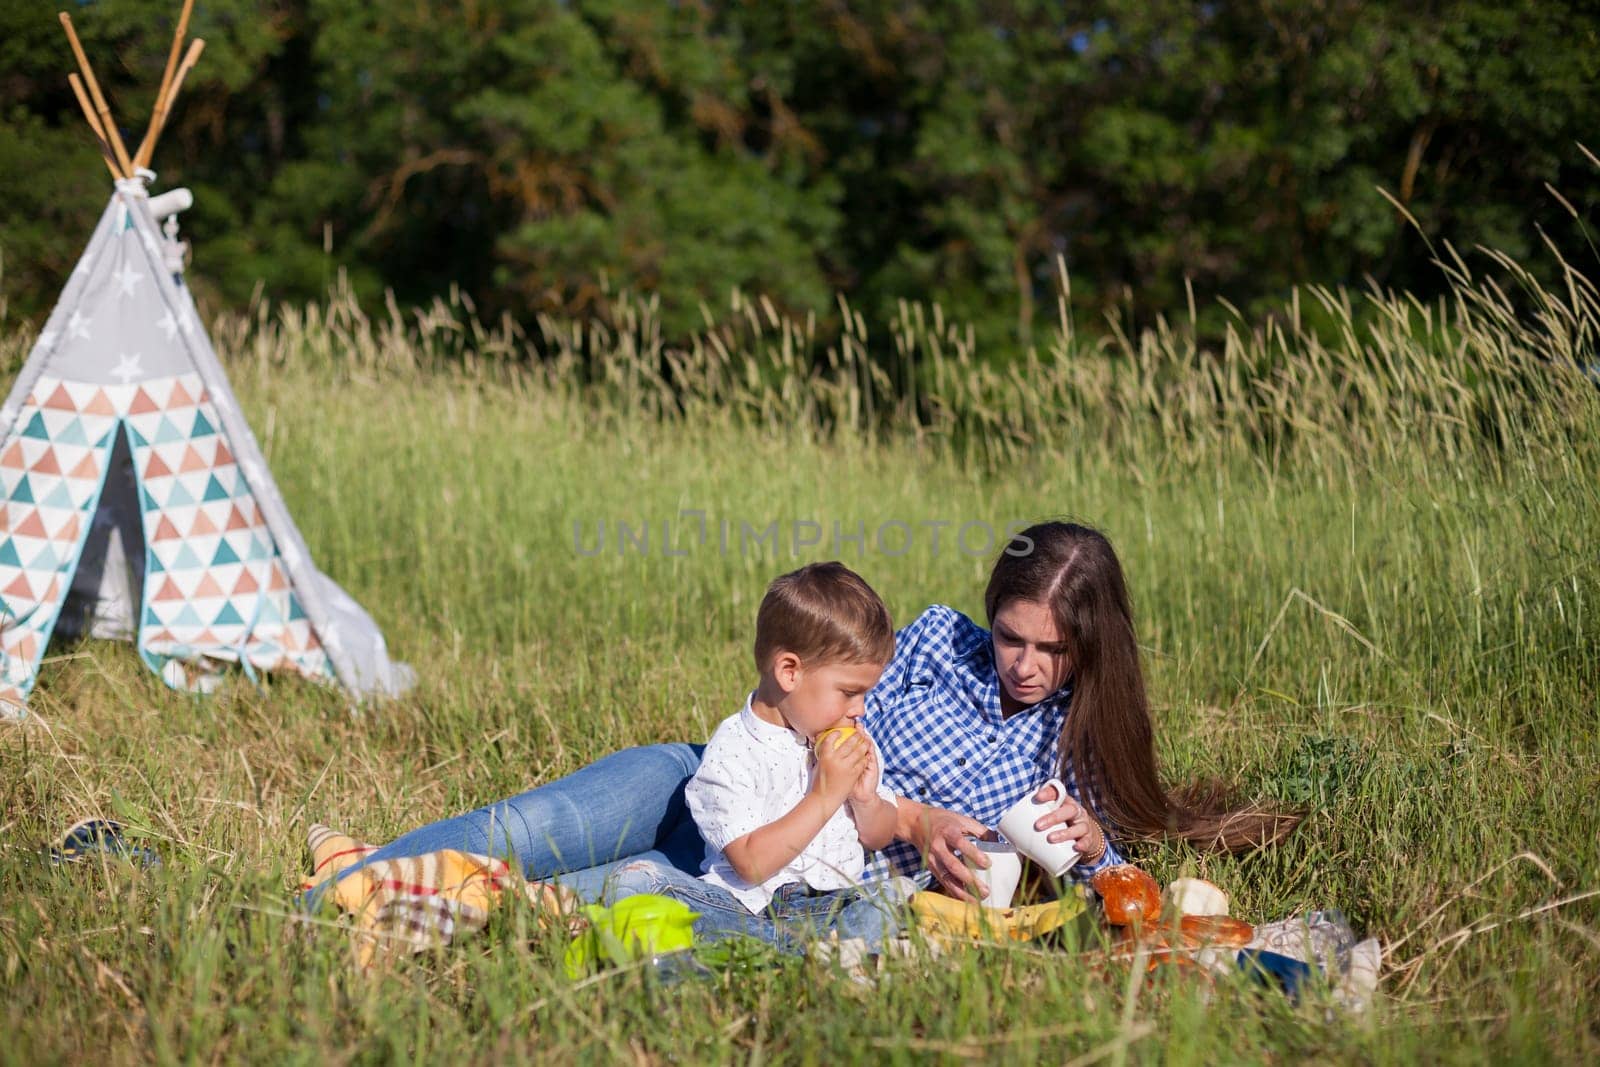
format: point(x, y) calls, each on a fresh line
point(823, 613)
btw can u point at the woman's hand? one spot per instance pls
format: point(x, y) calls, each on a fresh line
point(1073, 823)
point(941, 835)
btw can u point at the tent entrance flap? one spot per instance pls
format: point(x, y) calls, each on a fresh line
point(108, 587)
point(52, 470)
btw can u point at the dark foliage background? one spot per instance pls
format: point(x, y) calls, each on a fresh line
point(541, 152)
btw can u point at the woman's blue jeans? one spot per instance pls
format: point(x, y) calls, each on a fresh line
point(626, 806)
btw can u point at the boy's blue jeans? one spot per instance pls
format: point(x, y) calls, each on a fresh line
point(797, 914)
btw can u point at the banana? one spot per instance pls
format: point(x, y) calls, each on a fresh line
point(946, 917)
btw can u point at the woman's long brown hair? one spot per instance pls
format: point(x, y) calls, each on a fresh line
point(1108, 740)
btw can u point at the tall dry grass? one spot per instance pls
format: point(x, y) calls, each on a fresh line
point(1499, 362)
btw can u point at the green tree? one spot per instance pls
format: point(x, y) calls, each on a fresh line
point(535, 150)
point(538, 151)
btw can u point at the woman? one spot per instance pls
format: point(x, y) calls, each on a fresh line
point(968, 722)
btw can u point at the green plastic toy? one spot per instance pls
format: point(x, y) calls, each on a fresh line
point(632, 928)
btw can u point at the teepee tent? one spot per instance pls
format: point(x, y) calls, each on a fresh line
point(134, 500)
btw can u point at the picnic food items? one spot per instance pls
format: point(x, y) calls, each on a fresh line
point(1130, 895)
point(1195, 896)
point(943, 917)
point(1192, 947)
point(844, 734)
point(1189, 933)
point(1217, 931)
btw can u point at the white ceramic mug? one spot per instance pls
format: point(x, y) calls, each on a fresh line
point(1000, 878)
point(1016, 825)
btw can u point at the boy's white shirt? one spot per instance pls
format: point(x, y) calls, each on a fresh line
point(752, 774)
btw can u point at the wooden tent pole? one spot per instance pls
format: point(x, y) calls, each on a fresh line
point(147, 147)
point(158, 121)
point(94, 123)
point(101, 107)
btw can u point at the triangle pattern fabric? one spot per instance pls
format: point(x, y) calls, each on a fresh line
point(124, 390)
point(217, 615)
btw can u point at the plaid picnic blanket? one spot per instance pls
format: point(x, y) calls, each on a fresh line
point(420, 902)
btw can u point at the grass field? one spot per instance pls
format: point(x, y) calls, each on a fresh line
point(1362, 555)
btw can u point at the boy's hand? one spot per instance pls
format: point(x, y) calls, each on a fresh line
point(865, 789)
point(840, 762)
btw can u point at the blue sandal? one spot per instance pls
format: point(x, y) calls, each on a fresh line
point(90, 836)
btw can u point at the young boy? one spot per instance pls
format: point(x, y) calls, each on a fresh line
point(783, 798)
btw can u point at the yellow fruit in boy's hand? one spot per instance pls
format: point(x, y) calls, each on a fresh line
point(841, 734)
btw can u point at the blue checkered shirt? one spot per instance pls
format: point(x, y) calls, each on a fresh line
point(936, 717)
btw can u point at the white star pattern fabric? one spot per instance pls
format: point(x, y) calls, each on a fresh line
point(128, 279)
point(127, 368)
point(752, 774)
